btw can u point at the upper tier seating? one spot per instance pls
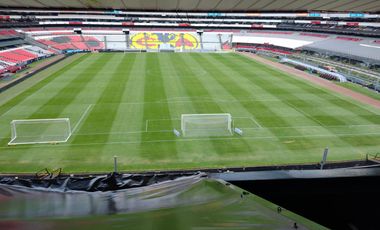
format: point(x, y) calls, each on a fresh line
point(12, 60)
point(25, 53)
point(352, 47)
point(188, 39)
point(349, 39)
point(13, 56)
point(7, 33)
point(95, 38)
point(315, 35)
point(74, 42)
point(263, 48)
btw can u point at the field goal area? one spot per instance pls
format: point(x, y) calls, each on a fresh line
point(198, 125)
point(39, 131)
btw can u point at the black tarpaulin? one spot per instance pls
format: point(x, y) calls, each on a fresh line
point(188, 202)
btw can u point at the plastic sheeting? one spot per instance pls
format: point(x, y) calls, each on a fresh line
point(188, 202)
point(110, 182)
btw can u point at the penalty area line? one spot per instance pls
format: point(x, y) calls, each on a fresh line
point(256, 122)
point(203, 139)
point(82, 117)
point(252, 119)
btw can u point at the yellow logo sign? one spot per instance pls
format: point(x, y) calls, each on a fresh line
point(164, 40)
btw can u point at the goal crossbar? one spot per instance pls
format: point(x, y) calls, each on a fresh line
point(39, 131)
point(212, 124)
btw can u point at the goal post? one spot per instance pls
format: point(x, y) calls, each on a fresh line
point(216, 124)
point(39, 131)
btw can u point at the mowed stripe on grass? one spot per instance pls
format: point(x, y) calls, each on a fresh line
point(128, 105)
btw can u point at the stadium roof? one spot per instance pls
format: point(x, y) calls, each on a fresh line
point(203, 5)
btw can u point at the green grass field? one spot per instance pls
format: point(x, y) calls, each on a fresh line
point(361, 89)
point(127, 105)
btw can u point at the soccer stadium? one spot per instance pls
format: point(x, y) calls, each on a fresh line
point(189, 114)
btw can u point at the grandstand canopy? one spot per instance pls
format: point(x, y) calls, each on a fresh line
point(203, 5)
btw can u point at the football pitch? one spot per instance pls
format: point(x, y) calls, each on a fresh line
point(128, 105)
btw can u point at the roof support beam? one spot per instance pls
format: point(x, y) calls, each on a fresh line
point(269, 3)
point(365, 4)
point(204, 5)
point(250, 6)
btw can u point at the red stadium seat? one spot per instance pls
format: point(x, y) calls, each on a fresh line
point(25, 53)
point(75, 42)
point(15, 57)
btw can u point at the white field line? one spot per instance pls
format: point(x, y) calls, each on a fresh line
point(179, 101)
point(192, 101)
point(157, 131)
point(252, 119)
point(82, 117)
point(315, 126)
point(165, 119)
point(177, 119)
point(204, 139)
point(359, 104)
point(244, 128)
point(25, 99)
point(250, 128)
point(2, 115)
point(304, 113)
point(256, 122)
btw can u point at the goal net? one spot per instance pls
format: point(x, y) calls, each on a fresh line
point(218, 124)
point(36, 131)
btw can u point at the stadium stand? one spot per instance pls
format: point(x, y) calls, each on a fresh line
point(25, 53)
point(349, 39)
point(10, 38)
point(15, 59)
point(315, 35)
point(264, 47)
point(276, 33)
point(7, 34)
point(72, 42)
point(142, 39)
point(38, 51)
point(356, 49)
point(14, 56)
point(361, 48)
